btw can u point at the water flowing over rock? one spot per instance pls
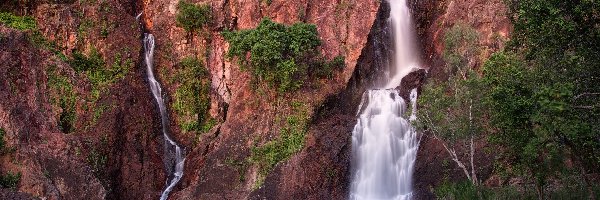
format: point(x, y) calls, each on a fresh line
point(173, 156)
point(384, 144)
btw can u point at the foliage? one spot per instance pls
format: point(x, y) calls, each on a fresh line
point(81, 63)
point(290, 141)
point(65, 98)
point(453, 111)
point(283, 56)
point(17, 22)
point(2, 142)
point(541, 93)
point(96, 71)
point(565, 65)
point(192, 99)
point(10, 180)
point(468, 191)
point(545, 103)
point(461, 48)
point(193, 17)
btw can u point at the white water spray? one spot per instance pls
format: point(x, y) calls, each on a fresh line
point(384, 144)
point(174, 167)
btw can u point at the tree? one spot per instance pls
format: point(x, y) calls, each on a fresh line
point(453, 111)
point(545, 96)
point(193, 17)
point(283, 56)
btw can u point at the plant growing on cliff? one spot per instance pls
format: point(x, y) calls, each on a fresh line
point(192, 99)
point(290, 141)
point(17, 22)
point(453, 111)
point(97, 72)
point(283, 56)
point(461, 48)
point(2, 142)
point(64, 97)
point(192, 17)
point(10, 180)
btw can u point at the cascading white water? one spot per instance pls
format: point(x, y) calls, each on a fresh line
point(174, 165)
point(384, 144)
point(405, 59)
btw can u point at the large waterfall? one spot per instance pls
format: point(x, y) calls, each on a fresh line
point(384, 144)
point(173, 154)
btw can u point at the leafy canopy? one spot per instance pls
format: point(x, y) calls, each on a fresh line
point(284, 56)
point(192, 17)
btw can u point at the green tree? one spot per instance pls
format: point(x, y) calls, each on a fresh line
point(283, 56)
point(192, 17)
point(453, 111)
point(546, 101)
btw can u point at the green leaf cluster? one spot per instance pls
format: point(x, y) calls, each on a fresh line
point(290, 141)
point(96, 70)
point(65, 97)
point(283, 56)
point(2, 142)
point(10, 180)
point(192, 17)
point(461, 48)
point(18, 22)
point(192, 99)
point(544, 90)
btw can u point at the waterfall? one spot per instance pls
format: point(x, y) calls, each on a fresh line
point(173, 154)
point(384, 144)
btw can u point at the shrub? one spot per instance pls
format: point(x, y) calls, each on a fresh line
point(97, 72)
point(283, 56)
point(82, 63)
point(65, 98)
point(192, 99)
point(192, 17)
point(10, 180)
point(290, 141)
point(17, 22)
point(2, 142)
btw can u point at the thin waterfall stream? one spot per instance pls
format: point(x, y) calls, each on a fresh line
point(173, 154)
point(384, 144)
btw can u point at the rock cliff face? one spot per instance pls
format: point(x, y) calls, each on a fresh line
point(343, 27)
point(117, 152)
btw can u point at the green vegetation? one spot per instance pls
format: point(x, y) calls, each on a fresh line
point(17, 22)
point(283, 56)
point(539, 99)
point(2, 142)
point(192, 17)
point(468, 191)
point(97, 159)
point(10, 180)
point(453, 110)
point(461, 48)
point(192, 99)
point(290, 141)
point(65, 98)
point(94, 67)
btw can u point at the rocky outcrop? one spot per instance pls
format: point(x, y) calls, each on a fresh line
point(127, 131)
point(250, 117)
point(39, 151)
